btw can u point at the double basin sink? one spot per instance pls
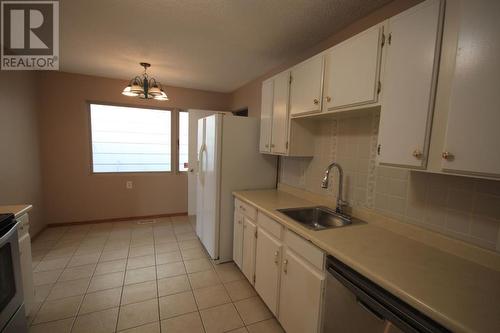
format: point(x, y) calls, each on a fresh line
point(317, 218)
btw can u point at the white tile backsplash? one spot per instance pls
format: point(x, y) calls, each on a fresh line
point(460, 207)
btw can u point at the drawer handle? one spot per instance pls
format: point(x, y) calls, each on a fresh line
point(276, 257)
point(285, 266)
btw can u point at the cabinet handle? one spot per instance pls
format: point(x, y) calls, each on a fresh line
point(239, 221)
point(267, 145)
point(328, 99)
point(285, 264)
point(276, 257)
point(316, 101)
point(447, 155)
point(272, 145)
point(417, 153)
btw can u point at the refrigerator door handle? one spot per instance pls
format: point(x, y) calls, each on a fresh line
point(200, 163)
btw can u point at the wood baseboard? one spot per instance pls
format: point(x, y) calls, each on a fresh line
point(115, 219)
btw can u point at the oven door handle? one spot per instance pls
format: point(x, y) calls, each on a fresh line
point(9, 233)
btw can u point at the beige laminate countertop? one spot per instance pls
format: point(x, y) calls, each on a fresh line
point(462, 295)
point(17, 210)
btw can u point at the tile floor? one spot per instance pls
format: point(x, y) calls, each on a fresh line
point(139, 277)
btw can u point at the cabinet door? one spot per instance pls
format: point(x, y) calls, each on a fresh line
point(27, 272)
point(413, 47)
point(301, 295)
point(267, 269)
point(352, 71)
point(472, 134)
point(238, 238)
point(248, 256)
point(279, 132)
point(306, 86)
point(266, 114)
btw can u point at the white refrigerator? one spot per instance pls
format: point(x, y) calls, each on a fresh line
point(228, 160)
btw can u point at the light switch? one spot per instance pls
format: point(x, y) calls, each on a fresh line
point(129, 184)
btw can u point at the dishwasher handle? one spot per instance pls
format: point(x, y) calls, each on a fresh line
point(368, 309)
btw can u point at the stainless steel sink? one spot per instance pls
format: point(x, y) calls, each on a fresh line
point(317, 218)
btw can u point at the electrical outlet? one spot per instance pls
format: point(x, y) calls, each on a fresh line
point(129, 184)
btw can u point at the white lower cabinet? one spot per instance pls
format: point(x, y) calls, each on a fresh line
point(301, 295)
point(248, 251)
point(286, 270)
point(26, 262)
point(267, 269)
point(238, 239)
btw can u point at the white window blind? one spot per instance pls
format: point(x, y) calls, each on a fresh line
point(128, 139)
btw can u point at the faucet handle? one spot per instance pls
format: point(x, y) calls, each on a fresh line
point(340, 206)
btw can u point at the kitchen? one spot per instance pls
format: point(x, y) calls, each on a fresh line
point(348, 185)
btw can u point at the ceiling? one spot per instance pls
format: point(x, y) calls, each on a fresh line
point(215, 45)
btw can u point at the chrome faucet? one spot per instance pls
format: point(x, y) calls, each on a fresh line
point(324, 184)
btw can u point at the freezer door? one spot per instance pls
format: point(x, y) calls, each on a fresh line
point(211, 184)
point(199, 177)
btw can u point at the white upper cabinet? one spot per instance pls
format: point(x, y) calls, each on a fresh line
point(411, 63)
point(472, 135)
point(266, 115)
point(306, 86)
point(279, 131)
point(278, 134)
point(352, 71)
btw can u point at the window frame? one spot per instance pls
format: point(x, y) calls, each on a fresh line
point(178, 148)
point(174, 138)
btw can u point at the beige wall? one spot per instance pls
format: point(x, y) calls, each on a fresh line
point(20, 168)
point(71, 192)
point(249, 94)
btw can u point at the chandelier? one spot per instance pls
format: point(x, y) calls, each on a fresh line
point(144, 86)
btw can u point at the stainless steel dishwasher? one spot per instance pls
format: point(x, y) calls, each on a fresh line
point(354, 304)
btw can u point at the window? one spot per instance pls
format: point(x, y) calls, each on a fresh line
point(183, 140)
point(129, 139)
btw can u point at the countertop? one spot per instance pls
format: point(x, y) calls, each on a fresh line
point(17, 210)
point(462, 295)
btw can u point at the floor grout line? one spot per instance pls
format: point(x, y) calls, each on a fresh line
point(88, 286)
point(137, 234)
point(157, 288)
point(192, 290)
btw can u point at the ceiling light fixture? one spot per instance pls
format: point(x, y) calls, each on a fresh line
point(144, 86)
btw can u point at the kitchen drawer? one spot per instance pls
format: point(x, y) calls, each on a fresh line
point(246, 209)
point(270, 225)
point(306, 249)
